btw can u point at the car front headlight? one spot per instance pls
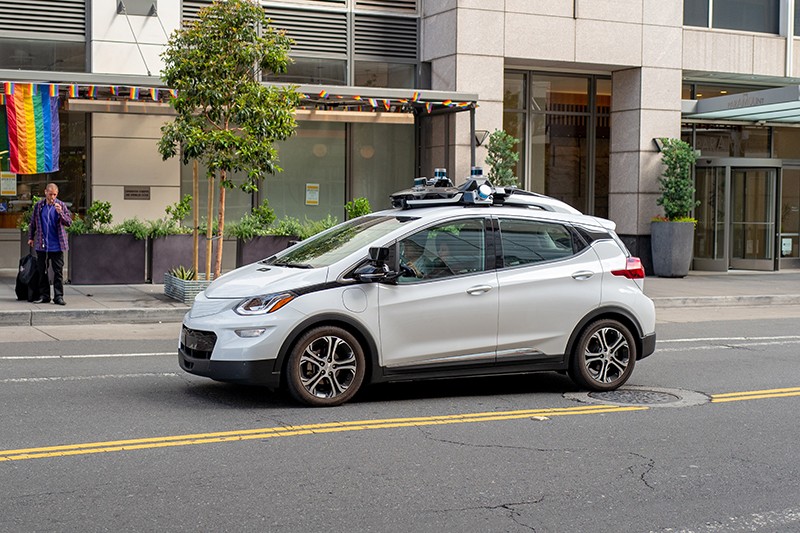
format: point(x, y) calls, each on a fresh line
point(264, 304)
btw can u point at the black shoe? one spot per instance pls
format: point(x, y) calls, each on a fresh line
point(42, 300)
point(59, 301)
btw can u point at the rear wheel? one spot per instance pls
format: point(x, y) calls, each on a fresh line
point(326, 367)
point(604, 356)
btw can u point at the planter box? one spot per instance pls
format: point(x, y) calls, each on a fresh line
point(96, 259)
point(672, 246)
point(171, 251)
point(259, 248)
point(184, 290)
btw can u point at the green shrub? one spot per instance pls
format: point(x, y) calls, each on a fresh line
point(132, 226)
point(98, 217)
point(357, 207)
point(288, 226)
point(502, 158)
point(676, 184)
point(179, 210)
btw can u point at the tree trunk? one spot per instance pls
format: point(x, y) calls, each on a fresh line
point(218, 261)
point(210, 224)
point(195, 220)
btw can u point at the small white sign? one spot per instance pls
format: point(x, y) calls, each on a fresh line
point(8, 184)
point(312, 193)
point(786, 247)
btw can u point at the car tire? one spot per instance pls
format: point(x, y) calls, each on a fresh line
point(325, 367)
point(604, 356)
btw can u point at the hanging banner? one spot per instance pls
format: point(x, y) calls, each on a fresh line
point(33, 130)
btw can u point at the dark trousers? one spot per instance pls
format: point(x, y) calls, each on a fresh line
point(56, 261)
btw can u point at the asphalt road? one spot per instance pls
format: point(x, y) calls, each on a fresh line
point(102, 432)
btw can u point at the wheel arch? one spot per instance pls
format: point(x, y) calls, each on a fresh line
point(347, 323)
point(619, 314)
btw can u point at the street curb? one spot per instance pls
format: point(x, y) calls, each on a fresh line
point(58, 317)
point(726, 301)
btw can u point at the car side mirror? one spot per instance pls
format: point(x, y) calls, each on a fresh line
point(376, 269)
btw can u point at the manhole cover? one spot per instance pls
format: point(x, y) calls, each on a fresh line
point(645, 396)
point(636, 397)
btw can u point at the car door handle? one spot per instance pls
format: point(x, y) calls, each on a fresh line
point(582, 275)
point(479, 289)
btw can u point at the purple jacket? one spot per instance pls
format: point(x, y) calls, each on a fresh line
point(35, 232)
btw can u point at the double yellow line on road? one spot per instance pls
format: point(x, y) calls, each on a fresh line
point(355, 425)
point(290, 431)
point(755, 395)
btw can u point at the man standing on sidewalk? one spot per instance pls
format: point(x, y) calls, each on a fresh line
point(48, 236)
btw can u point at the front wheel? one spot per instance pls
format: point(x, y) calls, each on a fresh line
point(326, 367)
point(603, 357)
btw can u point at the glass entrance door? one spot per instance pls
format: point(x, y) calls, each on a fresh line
point(752, 235)
point(736, 215)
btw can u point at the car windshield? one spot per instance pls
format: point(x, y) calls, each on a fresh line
point(337, 243)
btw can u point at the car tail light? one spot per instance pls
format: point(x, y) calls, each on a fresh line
point(633, 269)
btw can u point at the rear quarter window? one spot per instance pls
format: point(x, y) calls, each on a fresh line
point(530, 241)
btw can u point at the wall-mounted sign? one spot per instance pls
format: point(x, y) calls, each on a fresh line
point(312, 193)
point(136, 193)
point(786, 247)
point(8, 184)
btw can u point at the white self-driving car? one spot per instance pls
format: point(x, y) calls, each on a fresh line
point(468, 281)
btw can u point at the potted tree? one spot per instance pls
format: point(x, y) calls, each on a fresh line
point(101, 254)
point(672, 235)
point(225, 117)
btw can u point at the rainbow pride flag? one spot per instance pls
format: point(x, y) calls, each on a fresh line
point(33, 130)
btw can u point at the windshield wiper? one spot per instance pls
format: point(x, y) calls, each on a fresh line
point(292, 265)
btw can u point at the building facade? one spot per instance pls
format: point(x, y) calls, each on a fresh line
point(586, 85)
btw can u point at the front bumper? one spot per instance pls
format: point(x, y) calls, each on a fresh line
point(244, 372)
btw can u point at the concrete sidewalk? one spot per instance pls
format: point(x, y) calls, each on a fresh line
point(146, 303)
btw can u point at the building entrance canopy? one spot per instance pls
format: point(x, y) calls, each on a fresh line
point(779, 105)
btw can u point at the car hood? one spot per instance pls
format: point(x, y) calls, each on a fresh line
point(258, 278)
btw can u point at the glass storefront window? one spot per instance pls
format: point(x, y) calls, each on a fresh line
point(786, 143)
point(514, 125)
point(702, 91)
point(383, 74)
point(790, 213)
point(314, 156)
point(732, 141)
point(382, 161)
point(559, 94)
point(313, 70)
point(514, 91)
point(70, 178)
point(61, 56)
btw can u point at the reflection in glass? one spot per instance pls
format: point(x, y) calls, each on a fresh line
point(732, 141)
point(747, 15)
point(60, 56)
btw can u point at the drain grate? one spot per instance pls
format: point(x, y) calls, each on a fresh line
point(635, 397)
point(644, 396)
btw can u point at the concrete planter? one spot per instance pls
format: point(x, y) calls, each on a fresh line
point(99, 259)
point(672, 245)
point(184, 290)
point(259, 248)
point(172, 251)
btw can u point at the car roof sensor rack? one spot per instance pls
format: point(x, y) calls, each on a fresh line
point(476, 190)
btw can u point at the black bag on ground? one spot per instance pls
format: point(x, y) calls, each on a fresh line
point(27, 287)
